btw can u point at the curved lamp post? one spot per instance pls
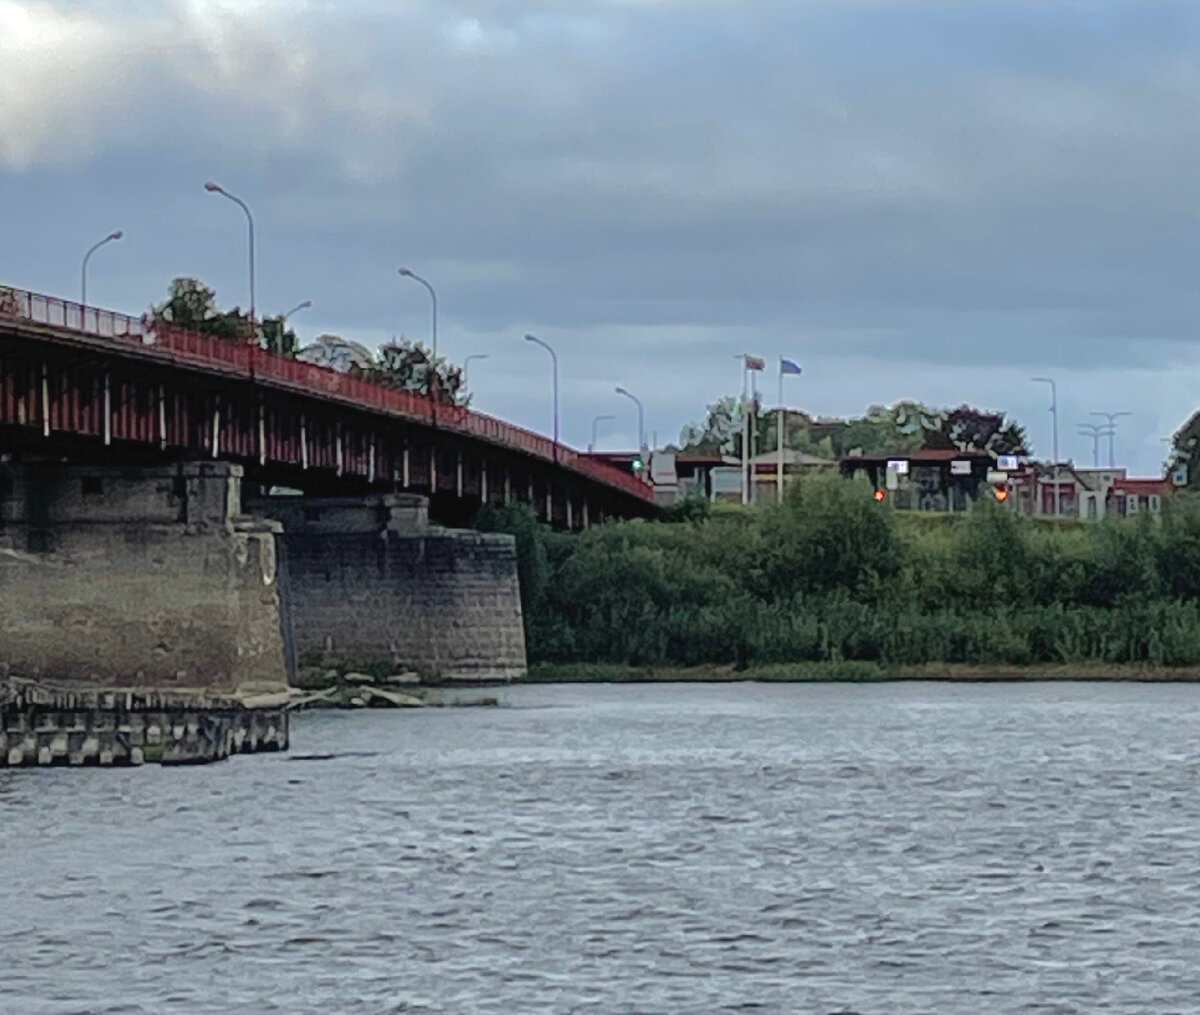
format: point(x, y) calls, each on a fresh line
point(595, 423)
point(87, 257)
point(299, 306)
point(641, 415)
point(406, 273)
point(467, 363)
point(214, 188)
point(554, 360)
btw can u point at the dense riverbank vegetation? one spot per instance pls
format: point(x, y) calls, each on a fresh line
point(832, 577)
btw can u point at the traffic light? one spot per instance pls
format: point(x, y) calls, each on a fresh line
point(879, 495)
point(1001, 491)
point(637, 464)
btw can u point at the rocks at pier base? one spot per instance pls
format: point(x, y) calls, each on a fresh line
point(40, 725)
point(330, 688)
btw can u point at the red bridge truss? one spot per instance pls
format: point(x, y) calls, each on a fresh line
point(93, 383)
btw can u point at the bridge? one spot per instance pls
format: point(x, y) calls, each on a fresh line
point(156, 589)
point(97, 386)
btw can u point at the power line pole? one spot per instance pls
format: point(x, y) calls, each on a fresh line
point(1112, 418)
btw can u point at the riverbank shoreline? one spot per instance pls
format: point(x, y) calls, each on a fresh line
point(855, 672)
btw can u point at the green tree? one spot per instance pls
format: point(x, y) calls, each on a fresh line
point(192, 306)
point(721, 431)
point(410, 366)
point(1185, 450)
point(906, 426)
point(827, 535)
point(276, 337)
point(970, 429)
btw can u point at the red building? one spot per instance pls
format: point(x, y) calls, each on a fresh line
point(1139, 496)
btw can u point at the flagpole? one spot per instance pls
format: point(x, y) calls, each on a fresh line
point(753, 436)
point(745, 433)
point(779, 439)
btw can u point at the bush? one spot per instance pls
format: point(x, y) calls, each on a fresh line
point(831, 577)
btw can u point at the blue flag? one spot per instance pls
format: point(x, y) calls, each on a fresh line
point(786, 366)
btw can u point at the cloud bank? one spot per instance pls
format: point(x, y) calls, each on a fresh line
point(913, 198)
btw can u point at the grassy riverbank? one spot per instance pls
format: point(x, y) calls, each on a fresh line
point(831, 584)
point(850, 672)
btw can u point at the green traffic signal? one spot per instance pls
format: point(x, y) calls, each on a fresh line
point(637, 464)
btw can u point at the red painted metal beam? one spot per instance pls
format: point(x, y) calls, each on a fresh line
point(281, 410)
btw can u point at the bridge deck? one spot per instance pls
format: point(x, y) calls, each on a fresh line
point(55, 320)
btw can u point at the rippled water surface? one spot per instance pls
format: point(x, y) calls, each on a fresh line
point(820, 848)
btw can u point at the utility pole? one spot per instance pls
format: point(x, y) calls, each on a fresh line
point(1054, 414)
point(1112, 418)
point(1095, 431)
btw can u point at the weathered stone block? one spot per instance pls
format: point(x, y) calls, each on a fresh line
point(138, 578)
point(366, 586)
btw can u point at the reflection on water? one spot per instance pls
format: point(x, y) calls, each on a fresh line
point(675, 849)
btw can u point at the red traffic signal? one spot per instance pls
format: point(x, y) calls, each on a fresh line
point(879, 495)
point(1001, 491)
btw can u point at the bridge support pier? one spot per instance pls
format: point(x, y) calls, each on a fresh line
point(371, 583)
point(140, 617)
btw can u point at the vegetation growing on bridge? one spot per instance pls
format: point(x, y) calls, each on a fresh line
point(831, 577)
point(192, 306)
point(402, 364)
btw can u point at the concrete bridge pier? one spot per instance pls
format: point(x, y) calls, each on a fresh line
point(140, 616)
point(370, 582)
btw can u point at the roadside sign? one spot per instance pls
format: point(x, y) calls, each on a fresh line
point(726, 479)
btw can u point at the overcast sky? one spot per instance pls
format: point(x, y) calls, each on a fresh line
point(930, 200)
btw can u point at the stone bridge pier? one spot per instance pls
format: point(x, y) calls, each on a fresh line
point(140, 617)
point(147, 614)
point(371, 583)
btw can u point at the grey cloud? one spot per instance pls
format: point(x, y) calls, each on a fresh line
point(906, 183)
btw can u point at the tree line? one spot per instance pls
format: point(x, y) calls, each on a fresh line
point(904, 427)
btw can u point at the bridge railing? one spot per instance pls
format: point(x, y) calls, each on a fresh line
point(250, 361)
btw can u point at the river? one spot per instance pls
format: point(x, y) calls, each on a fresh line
point(877, 849)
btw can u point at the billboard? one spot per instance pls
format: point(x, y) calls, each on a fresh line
point(662, 468)
point(726, 479)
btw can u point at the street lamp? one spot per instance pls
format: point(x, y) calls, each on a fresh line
point(641, 415)
point(467, 363)
point(1095, 431)
point(87, 257)
point(214, 188)
point(1054, 413)
point(554, 360)
point(299, 306)
point(595, 423)
point(1112, 418)
point(433, 296)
